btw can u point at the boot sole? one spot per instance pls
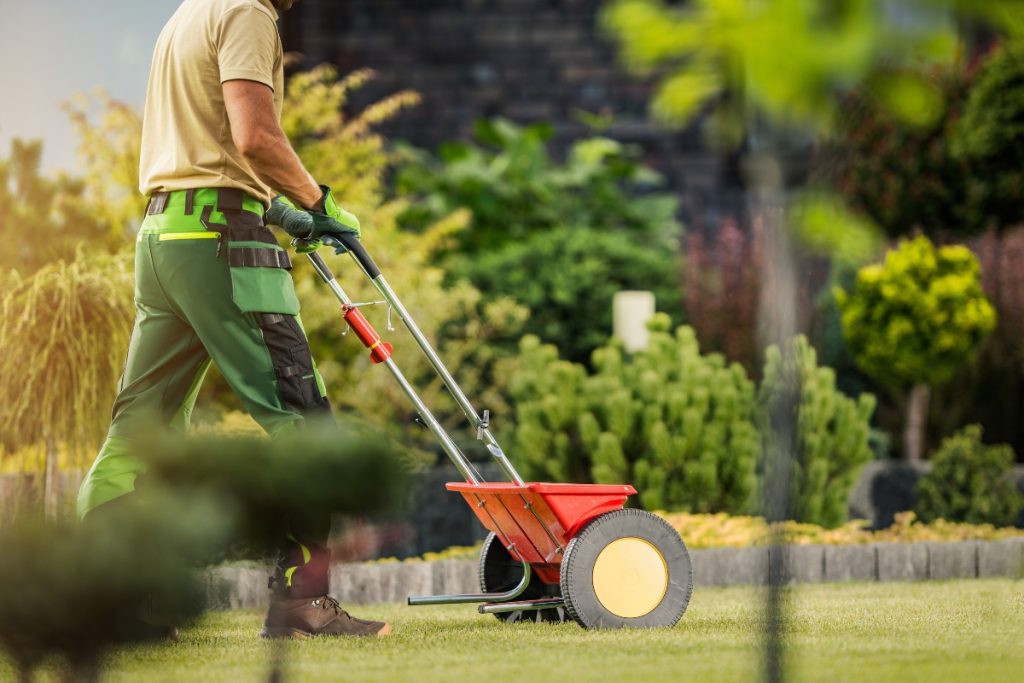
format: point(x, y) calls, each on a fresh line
point(298, 634)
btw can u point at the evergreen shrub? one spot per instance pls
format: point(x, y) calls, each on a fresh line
point(969, 482)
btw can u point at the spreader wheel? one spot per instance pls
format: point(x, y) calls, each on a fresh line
point(499, 572)
point(626, 568)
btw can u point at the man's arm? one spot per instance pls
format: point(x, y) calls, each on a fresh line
point(257, 134)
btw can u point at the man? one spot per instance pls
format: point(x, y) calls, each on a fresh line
point(212, 282)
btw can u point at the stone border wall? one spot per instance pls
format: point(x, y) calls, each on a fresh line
point(360, 584)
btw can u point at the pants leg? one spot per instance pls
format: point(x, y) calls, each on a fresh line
point(187, 315)
point(165, 365)
point(265, 358)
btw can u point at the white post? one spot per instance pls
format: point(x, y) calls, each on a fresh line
point(631, 311)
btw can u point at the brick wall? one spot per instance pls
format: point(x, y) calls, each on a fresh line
point(528, 60)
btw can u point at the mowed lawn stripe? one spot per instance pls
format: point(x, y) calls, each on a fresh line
point(934, 631)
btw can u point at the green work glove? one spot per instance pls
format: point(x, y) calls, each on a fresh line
point(303, 246)
point(292, 220)
point(329, 218)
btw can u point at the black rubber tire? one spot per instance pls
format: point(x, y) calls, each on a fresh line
point(577, 574)
point(499, 573)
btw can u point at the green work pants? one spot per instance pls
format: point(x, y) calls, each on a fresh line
point(211, 284)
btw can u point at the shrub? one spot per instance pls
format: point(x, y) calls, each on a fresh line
point(58, 208)
point(969, 482)
point(677, 424)
point(903, 176)
point(832, 433)
point(568, 277)
point(990, 136)
point(513, 187)
point(723, 288)
point(915, 321)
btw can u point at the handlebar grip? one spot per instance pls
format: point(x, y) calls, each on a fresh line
point(352, 244)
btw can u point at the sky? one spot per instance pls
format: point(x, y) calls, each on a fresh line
point(52, 49)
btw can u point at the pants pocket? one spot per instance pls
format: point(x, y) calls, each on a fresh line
point(257, 289)
point(260, 281)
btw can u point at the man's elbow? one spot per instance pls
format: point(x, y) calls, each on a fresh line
point(253, 144)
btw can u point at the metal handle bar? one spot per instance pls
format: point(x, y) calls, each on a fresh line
point(460, 461)
point(354, 247)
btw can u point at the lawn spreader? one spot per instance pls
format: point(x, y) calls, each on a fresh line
point(554, 551)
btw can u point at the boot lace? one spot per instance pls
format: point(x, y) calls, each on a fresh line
point(329, 603)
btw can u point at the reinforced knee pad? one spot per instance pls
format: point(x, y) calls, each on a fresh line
point(293, 364)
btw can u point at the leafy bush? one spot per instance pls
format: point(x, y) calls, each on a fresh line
point(472, 333)
point(56, 211)
point(969, 482)
point(568, 277)
point(677, 424)
point(990, 135)
point(903, 176)
point(514, 189)
point(833, 433)
point(723, 289)
point(916, 320)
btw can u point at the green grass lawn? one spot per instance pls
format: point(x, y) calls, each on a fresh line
point(932, 632)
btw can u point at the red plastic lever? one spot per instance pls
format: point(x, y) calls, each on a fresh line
point(380, 351)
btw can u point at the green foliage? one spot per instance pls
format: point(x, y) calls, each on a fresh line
point(568, 277)
point(832, 432)
point(340, 151)
point(903, 176)
point(108, 150)
point(348, 154)
point(43, 219)
point(76, 591)
point(969, 482)
point(514, 189)
point(269, 483)
point(706, 49)
point(990, 136)
point(677, 424)
point(917, 318)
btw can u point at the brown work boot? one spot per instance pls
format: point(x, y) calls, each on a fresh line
point(323, 616)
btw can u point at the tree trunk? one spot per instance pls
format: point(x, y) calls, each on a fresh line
point(51, 481)
point(917, 421)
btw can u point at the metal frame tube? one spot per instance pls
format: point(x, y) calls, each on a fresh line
point(524, 583)
point(521, 605)
point(449, 381)
point(460, 461)
point(493, 447)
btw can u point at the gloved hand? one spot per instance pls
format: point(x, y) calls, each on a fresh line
point(302, 225)
point(329, 218)
point(292, 220)
point(306, 246)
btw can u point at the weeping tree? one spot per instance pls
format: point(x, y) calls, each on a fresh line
point(63, 334)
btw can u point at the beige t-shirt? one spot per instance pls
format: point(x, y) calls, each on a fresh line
point(186, 137)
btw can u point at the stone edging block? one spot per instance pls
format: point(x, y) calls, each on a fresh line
point(368, 583)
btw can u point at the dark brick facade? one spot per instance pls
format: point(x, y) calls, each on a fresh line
point(527, 60)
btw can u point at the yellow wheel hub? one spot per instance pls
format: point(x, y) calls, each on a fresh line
point(630, 577)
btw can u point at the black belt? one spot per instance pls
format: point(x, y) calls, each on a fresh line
point(229, 200)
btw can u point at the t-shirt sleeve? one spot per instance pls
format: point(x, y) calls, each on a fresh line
point(247, 46)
